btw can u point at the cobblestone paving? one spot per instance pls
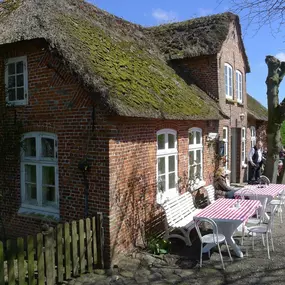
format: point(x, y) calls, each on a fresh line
point(181, 268)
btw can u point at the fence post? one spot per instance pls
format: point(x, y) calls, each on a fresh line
point(2, 274)
point(100, 239)
point(49, 256)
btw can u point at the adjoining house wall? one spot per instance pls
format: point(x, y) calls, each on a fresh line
point(231, 53)
point(133, 175)
point(57, 104)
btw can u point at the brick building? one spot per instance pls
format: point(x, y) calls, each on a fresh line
point(98, 97)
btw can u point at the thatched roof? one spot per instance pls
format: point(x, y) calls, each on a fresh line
point(196, 37)
point(113, 57)
point(256, 109)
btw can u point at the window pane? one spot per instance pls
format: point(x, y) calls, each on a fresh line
point(161, 141)
point(11, 81)
point(30, 147)
point(161, 165)
point(191, 173)
point(20, 93)
point(171, 163)
point(224, 133)
point(198, 156)
point(243, 133)
point(11, 68)
point(47, 147)
point(191, 137)
point(198, 138)
point(20, 67)
point(31, 173)
point(171, 182)
point(161, 183)
point(48, 175)
point(11, 94)
point(20, 80)
point(171, 141)
point(48, 195)
point(31, 193)
point(191, 157)
point(198, 171)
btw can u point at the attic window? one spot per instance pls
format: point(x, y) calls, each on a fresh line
point(16, 81)
point(228, 72)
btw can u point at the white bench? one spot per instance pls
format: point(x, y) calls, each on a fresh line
point(210, 193)
point(179, 212)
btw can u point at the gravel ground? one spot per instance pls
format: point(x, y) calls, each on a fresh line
point(181, 266)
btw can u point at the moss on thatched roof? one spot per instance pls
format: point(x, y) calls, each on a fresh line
point(256, 109)
point(195, 37)
point(112, 56)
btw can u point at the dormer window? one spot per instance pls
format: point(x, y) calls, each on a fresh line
point(228, 70)
point(16, 81)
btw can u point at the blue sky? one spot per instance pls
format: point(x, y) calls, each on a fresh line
point(258, 44)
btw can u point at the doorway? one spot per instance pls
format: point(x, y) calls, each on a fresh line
point(234, 154)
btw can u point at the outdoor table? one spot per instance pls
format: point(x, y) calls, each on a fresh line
point(262, 191)
point(228, 218)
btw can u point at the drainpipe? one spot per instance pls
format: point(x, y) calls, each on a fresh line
point(84, 166)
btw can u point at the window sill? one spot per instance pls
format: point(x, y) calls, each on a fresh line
point(231, 100)
point(39, 214)
point(16, 103)
point(241, 104)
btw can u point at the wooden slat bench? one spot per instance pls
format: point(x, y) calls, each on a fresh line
point(210, 189)
point(179, 213)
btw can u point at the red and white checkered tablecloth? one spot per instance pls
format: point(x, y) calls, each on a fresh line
point(270, 191)
point(224, 209)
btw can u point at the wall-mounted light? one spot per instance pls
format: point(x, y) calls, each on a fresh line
point(242, 116)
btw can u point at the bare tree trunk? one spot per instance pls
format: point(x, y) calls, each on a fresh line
point(276, 112)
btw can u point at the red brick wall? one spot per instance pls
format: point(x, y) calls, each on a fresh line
point(58, 104)
point(133, 174)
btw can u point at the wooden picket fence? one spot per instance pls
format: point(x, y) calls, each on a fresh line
point(54, 256)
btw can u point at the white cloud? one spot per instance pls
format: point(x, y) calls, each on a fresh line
point(202, 12)
point(163, 16)
point(280, 56)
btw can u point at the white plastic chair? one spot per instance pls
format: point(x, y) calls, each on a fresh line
point(264, 180)
point(264, 229)
point(214, 237)
point(248, 193)
point(255, 221)
point(280, 202)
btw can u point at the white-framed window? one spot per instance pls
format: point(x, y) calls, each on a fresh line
point(252, 136)
point(195, 162)
point(228, 71)
point(243, 145)
point(226, 144)
point(166, 164)
point(39, 174)
point(16, 81)
point(239, 86)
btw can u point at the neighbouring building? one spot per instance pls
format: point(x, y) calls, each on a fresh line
point(135, 110)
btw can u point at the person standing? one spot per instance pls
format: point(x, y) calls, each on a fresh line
point(254, 162)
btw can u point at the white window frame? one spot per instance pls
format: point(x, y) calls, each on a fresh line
point(39, 161)
point(243, 145)
point(25, 74)
point(226, 145)
point(228, 77)
point(252, 136)
point(239, 93)
point(166, 153)
point(195, 147)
